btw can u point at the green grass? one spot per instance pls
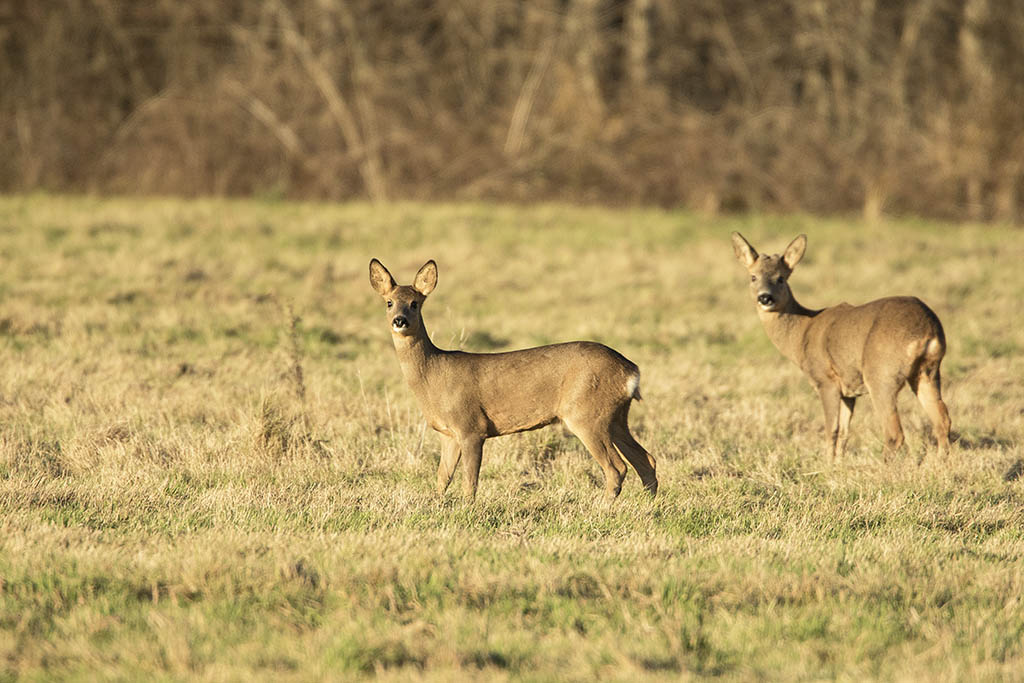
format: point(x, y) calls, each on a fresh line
point(176, 503)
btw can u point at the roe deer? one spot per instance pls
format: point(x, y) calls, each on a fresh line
point(469, 397)
point(847, 351)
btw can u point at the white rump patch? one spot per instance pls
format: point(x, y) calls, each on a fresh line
point(632, 385)
point(930, 349)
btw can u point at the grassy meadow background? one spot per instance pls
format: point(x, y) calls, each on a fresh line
point(210, 467)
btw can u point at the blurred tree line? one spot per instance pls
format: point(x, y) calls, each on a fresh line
point(901, 106)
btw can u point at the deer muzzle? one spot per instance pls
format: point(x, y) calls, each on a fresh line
point(766, 299)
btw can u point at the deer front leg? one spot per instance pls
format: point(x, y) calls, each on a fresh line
point(830, 401)
point(450, 454)
point(472, 448)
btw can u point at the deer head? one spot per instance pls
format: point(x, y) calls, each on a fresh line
point(769, 274)
point(404, 303)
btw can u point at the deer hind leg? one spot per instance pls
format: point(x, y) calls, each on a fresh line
point(637, 456)
point(883, 398)
point(927, 386)
point(846, 406)
point(450, 455)
point(598, 441)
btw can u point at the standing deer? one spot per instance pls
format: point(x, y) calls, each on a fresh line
point(847, 351)
point(470, 397)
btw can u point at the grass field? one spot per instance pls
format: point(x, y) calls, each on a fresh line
point(210, 467)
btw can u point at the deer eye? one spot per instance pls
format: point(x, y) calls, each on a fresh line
point(413, 305)
point(390, 304)
point(753, 278)
point(780, 279)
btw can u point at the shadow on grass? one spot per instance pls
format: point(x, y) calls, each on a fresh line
point(980, 442)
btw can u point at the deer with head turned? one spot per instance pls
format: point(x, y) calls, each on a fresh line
point(470, 397)
point(847, 351)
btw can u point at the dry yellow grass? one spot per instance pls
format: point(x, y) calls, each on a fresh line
point(196, 484)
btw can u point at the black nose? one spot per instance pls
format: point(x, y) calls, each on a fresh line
point(400, 321)
point(765, 299)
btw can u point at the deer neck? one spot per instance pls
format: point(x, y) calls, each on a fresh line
point(787, 329)
point(415, 353)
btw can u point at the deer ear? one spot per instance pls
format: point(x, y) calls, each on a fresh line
point(426, 278)
point(795, 251)
point(745, 253)
point(380, 278)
